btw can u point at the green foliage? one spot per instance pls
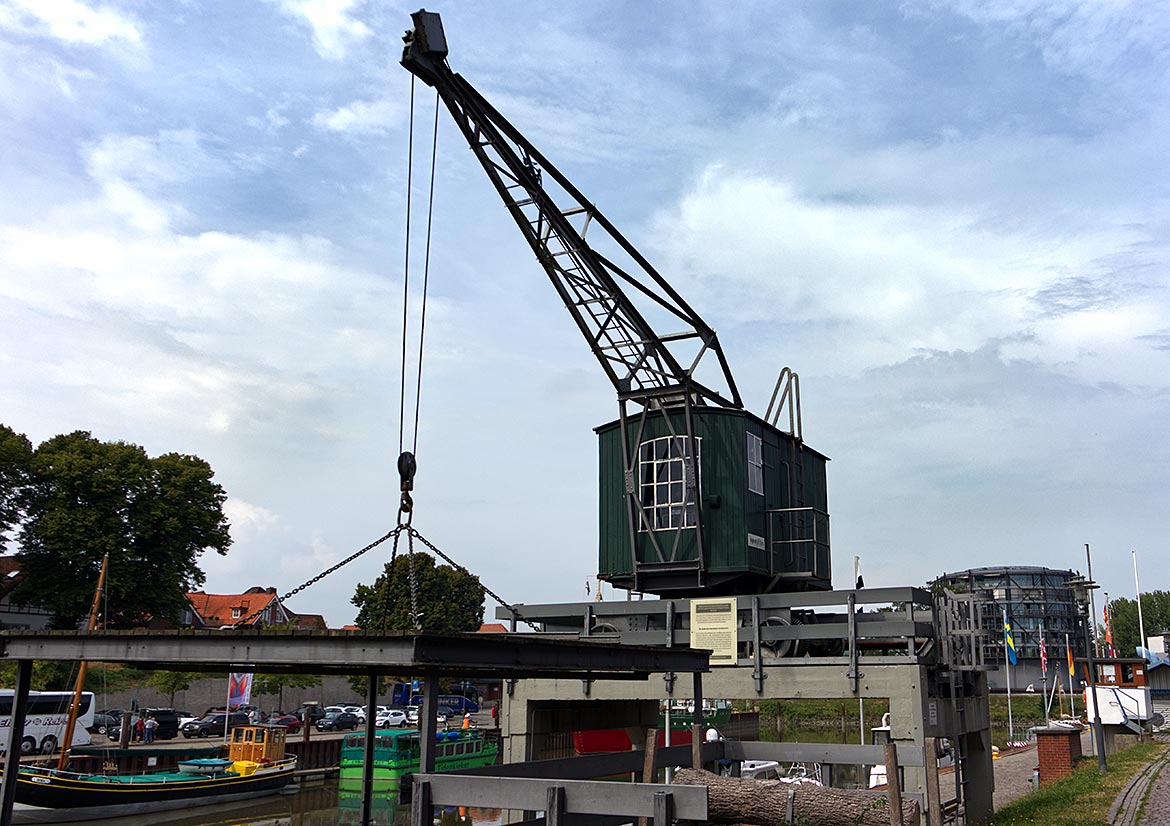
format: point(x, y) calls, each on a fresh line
point(15, 460)
point(1155, 613)
point(172, 682)
point(106, 679)
point(82, 498)
point(449, 600)
point(46, 675)
point(1082, 799)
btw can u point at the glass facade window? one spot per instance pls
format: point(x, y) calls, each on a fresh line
point(755, 463)
point(662, 487)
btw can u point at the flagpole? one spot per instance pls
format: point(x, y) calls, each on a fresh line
point(1072, 698)
point(1044, 673)
point(1096, 639)
point(1138, 588)
point(1007, 669)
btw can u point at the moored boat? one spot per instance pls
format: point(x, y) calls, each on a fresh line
point(397, 753)
point(256, 765)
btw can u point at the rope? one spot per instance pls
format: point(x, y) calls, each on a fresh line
point(406, 268)
point(426, 274)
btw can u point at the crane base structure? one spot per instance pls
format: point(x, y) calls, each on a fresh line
point(921, 652)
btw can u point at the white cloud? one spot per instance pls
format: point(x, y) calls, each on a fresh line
point(899, 278)
point(362, 117)
point(335, 29)
point(247, 519)
point(70, 20)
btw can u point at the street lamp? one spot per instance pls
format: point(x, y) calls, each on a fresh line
point(1082, 591)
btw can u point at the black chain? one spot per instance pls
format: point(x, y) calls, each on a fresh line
point(413, 534)
point(415, 616)
point(394, 533)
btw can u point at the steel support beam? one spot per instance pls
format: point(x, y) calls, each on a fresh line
point(15, 733)
point(348, 653)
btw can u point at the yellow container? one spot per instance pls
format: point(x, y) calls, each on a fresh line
point(245, 768)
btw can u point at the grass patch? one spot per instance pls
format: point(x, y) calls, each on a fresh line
point(1082, 799)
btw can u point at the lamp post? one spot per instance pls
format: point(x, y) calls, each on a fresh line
point(1082, 592)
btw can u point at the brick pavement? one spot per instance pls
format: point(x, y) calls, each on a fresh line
point(1157, 801)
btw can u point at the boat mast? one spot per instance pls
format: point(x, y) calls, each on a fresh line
point(71, 723)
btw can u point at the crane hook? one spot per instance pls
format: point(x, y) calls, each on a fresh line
point(406, 470)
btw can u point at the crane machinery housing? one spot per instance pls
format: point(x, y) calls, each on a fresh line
point(698, 496)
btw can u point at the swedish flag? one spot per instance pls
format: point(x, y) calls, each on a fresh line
point(1008, 643)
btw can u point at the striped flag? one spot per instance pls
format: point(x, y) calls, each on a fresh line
point(1068, 653)
point(1043, 654)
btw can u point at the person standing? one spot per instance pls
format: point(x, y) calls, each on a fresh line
point(139, 729)
point(148, 729)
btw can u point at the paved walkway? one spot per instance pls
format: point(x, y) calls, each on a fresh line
point(1013, 776)
point(1152, 785)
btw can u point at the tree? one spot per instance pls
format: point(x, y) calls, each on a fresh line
point(277, 683)
point(172, 682)
point(449, 600)
point(1155, 613)
point(82, 498)
point(15, 459)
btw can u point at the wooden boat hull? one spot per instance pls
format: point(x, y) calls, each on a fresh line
point(48, 797)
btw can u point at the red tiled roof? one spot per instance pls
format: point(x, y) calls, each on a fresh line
point(219, 609)
point(492, 628)
point(310, 621)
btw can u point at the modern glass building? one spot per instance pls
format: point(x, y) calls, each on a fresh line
point(1034, 597)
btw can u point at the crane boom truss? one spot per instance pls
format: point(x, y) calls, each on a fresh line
point(644, 366)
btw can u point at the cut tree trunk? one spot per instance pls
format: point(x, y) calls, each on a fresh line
point(765, 802)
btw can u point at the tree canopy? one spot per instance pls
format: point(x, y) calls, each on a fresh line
point(75, 498)
point(1155, 613)
point(449, 600)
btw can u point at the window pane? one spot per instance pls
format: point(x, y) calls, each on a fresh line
point(676, 516)
point(647, 472)
point(676, 492)
point(646, 451)
point(660, 448)
point(661, 518)
point(662, 494)
point(676, 471)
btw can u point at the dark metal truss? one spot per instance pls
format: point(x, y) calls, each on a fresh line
point(644, 366)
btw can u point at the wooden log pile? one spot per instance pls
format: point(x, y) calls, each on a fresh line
point(773, 803)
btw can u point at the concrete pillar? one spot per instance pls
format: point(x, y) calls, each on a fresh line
point(980, 777)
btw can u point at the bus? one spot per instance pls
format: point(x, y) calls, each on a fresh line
point(452, 704)
point(45, 718)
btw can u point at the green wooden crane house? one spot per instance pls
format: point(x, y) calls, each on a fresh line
point(748, 515)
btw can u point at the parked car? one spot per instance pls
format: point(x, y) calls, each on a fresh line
point(391, 718)
point(168, 723)
point(338, 721)
point(315, 713)
point(412, 716)
point(289, 721)
point(357, 711)
point(213, 724)
point(103, 723)
point(185, 717)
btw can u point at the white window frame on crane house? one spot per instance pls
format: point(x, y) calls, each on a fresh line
point(755, 463)
point(662, 489)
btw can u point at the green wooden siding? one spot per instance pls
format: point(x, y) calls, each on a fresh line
point(793, 477)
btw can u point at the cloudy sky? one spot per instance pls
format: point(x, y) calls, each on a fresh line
point(951, 218)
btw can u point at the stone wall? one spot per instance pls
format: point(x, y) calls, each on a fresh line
point(212, 691)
